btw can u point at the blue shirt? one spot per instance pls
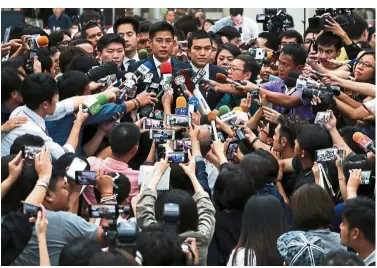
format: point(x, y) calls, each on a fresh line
point(5, 113)
point(59, 23)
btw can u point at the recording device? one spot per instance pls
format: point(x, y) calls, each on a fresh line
point(194, 101)
point(107, 211)
point(232, 148)
point(343, 16)
point(86, 177)
point(365, 177)
point(160, 149)
point(322, 118)
point(162, 134)
point(257, 53)
point(181, 106)
point(93, 104)
point(182, 145)
point(325, 93)
point(203, 105)
point(167, 78)
point(275, 21)
point(326, 155)
point(180, 80)
point(142, 54)
point(173, 120)
point(240, 134)
point(320, 75)
point(171, 215)
point(30, 210)
point(29, 152)
point(35, 41)
point(177, 157)
point(364, 142)
point(5, 40)
point(212, 118)
point(148, 81)
point(222, 78)
point(101, 71)
point(76, 165)
point(150, 123)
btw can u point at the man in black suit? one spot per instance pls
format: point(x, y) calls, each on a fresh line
point(200, 49)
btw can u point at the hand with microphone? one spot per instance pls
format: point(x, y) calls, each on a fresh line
point(181, 106)
point(99, 72)
point(212, 118)
point(364, 142)
point(223, 78)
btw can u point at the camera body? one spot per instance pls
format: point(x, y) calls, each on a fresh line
point(325, 93)
point(275, 20)
point(343, 16)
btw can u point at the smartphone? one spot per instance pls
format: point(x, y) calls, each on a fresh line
point(322, 118)
point(150, 123)
point(86, 177)
point(182, 145)
point(232, 148)
point(109, 212)
point(326, 155)
point(29, 152)
point(177, 157)
point(365, 177)
point(76, 165)
point(174, 120)
point(183, 45)
point(162, 134)
point(30, 210)
point(341, 153)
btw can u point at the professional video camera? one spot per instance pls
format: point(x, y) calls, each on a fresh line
point(275, 20)
point(343, 16)
point(312, 88)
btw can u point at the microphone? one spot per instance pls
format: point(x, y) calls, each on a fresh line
point(180, 82)
point(364, 142)
point(142, 54)
point(222, 78)
point(148, 81)
point(212, 119)
point(187, 73)
point(237, 109)
point(195, 102)
point(166, 69)
point(195, 79)
point(291, 80)
point(166, 86)
point(181, 106)
point(94, 104)
point(143, 69)
point(223, 110)
point(99, 72)
point(42, 41)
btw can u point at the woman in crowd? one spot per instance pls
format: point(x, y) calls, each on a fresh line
point(226, 54)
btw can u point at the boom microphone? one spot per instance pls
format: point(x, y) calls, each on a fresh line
point(222, 77)
point(364, 142)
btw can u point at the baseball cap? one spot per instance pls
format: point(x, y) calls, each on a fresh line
point(301, 249)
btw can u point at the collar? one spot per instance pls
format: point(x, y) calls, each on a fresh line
point(371, 258)
point(115, 163)
point(195, 69)
point(158, 63)
point(136, 58)
point(34, 117)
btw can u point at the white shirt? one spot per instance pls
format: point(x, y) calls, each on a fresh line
point(371, 105)
point(126, 60)
point(371, 258)
point(249, 27)
point(213, 173)
point(240, 258)
point(157, 63)
point(36, 126)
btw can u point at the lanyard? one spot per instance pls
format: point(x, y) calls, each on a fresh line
point(32, 119)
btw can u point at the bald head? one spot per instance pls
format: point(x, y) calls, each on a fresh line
point(205, 140)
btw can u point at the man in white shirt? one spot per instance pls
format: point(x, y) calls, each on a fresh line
point(236, 19)
point(129, 29)
point(41, 98)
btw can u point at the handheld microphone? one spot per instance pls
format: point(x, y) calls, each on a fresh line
point(180, 82)
point(166, 69)
point(142, 54)
point(187, 73)
point(108, 68)
point(166, 86)
point(181, 106)
point(222, 78)
point(143, 69)
point(223, 110)
point(212, 119)
point(148, 81)
point(237, 109)
point(364, 142)
point(94, 104)
point(203, 105)
point(291, 80)
point(320, 75)
point(42, 41)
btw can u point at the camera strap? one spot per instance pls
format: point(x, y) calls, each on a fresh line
point(323, 178)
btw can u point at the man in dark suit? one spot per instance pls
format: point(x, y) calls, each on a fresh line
point(200, 49)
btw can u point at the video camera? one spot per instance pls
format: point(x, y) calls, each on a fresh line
point(343, 16)
point(274, 20)
point(312, 88)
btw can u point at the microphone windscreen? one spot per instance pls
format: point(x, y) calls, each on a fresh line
point(143, 54)
point(194, 101)
point(180, 102)
point(212, 116)
point(166, 68)
point(221, 77)
point(357, 136)
point(294, 74)
point(102, 71)
point(290, 82)
point(149, 65)
point(223, 110)
point(237, 109)
point(42, 41)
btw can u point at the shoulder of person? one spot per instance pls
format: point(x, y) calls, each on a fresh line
point(180, 64)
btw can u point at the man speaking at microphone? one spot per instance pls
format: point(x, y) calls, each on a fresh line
point(200, 49)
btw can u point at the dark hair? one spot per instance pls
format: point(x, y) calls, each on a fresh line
point(179, 179)
point(364, 45)
point(89, 15)
point(179, 34)
point(82, 62)
point(67, 55)
point(229, 32)
point(64, 161)
point(273, 164)
point(297, 53)
point(312, 207)
point(139, 18)
point(79, 251)
point(108, 39)
point(342, 258)
point(115, 257)
point(55, 37)
point(188, 24)
point(289, 126)
point(232, 188)
point(371, 31)
point(37, 88)
point(371, 52)
point(272, 41)
point(209, 21)
point(263, 221)
point(122, 188)
point(329, 39)
point(45, 57)
point(313, 137)
point(72, 83)
point(80, 41)
point(347, 133)
point(292, 34)
point(160, 246)
point(236, 11)
point(216, 38)
point(144, 26)
point(271, 129)
point(360, 213)
point(15, 63)
point(10, 81)
point(26, 139)
point(250, 65)
point(127, 20)
point(119, 134)
point(89, 25)
point(310, 30)
point(256, 167)
point(188, 212)
point(160, 26)
point(356, 29)
point(199, 34)
point(54, 50)
point(232, 48)
point(21, 188)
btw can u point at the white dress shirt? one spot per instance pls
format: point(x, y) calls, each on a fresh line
point(206, 68)
point(213, 173)
point(126, 61)
point(157, 63)
point(249, 27)
point(36, 126)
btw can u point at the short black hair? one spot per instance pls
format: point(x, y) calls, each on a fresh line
point(67, 55)
point(232, 188)
point(371, 31)
point(347, 133)
point(188, 24)
point(289, 126)
point(229, 32)
point(15, 63)
point(328, 39)
point(80, 41)
point(273, 164)
point(250, 65)
point(199, 34)
point(55, 37)
point(310, 30)
point(236, 11)
point(119, 134)
point(179, 34)
point(115, 257)
point(209, 21)
point(127, 20)
point(79, 251)
point(258, 168)
point(232, 48)
point(360, 212)
point(297, 53)
point(108, 39)
point(26, 139)
point(10, 81)
point(272, 41)
point(341, 257)
point(89, 25)
point(72, 83)
point(64, 161)
point(89, 15)
point(292, 34)
point(37, 88)
point(82, 62)
point(356, 29)
point(45, 57)
point(179, 179)
point(160, 246)
point(144, 26)
point(160, 26)
point(313, 137)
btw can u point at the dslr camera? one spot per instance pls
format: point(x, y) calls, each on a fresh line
point(275, 20)
point(343, 16)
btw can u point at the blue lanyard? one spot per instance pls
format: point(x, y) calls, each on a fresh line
point(45, 131)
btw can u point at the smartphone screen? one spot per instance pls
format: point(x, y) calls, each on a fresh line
point(232, 148)
point(76, 165)
point(177, 157)
point(30, 210)
point(29, 152)
point(103, 211)
point(86, 177)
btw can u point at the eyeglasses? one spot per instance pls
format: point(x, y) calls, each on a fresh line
point(366, 64)
point(233, 69)
point(64, 43)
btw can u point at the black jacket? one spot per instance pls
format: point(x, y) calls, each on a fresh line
point(213, 98)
